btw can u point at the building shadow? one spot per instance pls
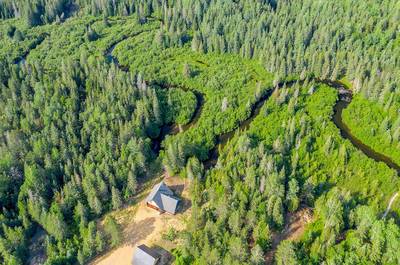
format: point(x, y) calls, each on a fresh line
point(184, 205)
point(177, 189)
point(166, 256)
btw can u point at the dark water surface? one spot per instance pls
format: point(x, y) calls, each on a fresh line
point(341, 104)
point(345, 97)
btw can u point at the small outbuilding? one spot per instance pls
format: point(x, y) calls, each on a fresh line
point(145, 256)
point(162, 199)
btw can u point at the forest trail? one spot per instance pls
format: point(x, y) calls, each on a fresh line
point(390, 204)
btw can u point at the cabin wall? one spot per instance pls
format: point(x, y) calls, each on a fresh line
point(152, 206)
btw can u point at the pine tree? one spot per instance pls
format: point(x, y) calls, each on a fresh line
point(277, 213)
point(293, 200)
point(116, 198)
point(156, 109)
point(132, 183)
point(285, 254)
point(262, 235)
point(224, 105)
point(100, 242)
point(81, 258)
point(257, 255)
point(18, 36)
point(96, 205)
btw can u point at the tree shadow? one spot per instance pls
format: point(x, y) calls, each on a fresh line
point(139, 231)
point(37, 247)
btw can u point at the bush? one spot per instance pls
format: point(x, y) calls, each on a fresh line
point(170, 235)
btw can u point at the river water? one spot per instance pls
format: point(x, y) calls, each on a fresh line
point(345, 97)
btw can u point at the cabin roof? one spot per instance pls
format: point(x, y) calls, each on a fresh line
point(163, 198)
point(145, 256)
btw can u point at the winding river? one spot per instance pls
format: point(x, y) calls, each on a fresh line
point(173, 128)
point(166, 129)
point(344, 99)
point(37, 42)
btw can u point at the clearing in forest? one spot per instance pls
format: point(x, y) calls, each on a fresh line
point(143, 225)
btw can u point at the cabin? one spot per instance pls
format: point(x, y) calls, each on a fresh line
point(162, 199)
point(145, 256)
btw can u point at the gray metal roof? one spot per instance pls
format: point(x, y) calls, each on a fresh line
point(145, 256)
point(169, 203)
point(163, 197)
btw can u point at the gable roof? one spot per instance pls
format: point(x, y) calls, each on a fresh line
point(159, 188)
point(163, 197)
point(145, 256)
point(169, 203)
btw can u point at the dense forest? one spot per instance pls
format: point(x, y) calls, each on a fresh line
point(92, 91)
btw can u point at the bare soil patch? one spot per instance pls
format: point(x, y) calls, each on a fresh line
point(295, 225)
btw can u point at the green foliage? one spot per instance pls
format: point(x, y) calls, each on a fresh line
point(79, 135)
point(284, 157)
point(377, 124)
point(218, 77)
point(116, 198)
point(178, 105)
point(262, 235)
point(170, 235)
point(181, 259)
point(13, 245)
point(113, 230)
point(77, 141)
point(286, 254)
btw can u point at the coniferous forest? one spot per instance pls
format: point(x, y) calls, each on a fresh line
point(276, 113)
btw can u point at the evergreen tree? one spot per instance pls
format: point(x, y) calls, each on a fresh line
point(116, 198)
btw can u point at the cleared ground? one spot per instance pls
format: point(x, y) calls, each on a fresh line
point(295, 225)
point(142, 225)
